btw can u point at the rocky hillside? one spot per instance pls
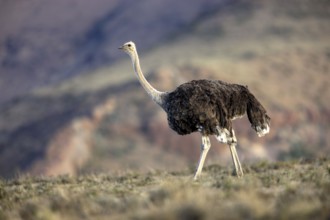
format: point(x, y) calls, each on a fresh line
point(101, 120)
point(43, 42)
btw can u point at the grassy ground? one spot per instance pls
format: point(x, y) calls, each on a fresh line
point(282, 190)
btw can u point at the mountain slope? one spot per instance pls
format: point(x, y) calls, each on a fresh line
point(281, 53)
point(43, 42)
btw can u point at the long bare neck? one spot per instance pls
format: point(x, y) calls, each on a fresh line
point(153, 93)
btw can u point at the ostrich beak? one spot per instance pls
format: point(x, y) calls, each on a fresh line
point(120, 48)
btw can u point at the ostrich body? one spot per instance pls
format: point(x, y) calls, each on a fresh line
point(206, 106)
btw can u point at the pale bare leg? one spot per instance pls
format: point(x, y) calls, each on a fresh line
point(206, 144)
point(230, 138)
point(240, 173)
point(237, 163)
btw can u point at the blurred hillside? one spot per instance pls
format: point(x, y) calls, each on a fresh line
point(93, 116)
point(44, 42)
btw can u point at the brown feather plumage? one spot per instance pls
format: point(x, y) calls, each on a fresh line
point(210, 103)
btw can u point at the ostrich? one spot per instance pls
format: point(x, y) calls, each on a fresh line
point(208, 107)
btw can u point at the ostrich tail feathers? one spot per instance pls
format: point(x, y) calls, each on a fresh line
point(258, 117)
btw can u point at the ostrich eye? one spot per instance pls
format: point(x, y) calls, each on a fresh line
point(129, 45)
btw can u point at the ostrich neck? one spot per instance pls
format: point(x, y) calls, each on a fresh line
point(153, 93)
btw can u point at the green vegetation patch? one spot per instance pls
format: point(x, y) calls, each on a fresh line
point(281, 190)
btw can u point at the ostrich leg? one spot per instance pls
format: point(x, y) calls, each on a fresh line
point(234, 155)
point(237, 164)
point(206, 144)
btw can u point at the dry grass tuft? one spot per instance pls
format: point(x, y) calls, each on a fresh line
point(282, 190)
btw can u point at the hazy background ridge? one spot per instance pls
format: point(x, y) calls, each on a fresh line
point(71, 103)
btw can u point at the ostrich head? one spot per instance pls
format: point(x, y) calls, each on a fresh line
point(129, 48)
